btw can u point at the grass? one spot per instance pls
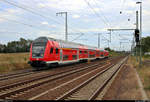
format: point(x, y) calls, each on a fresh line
point(16, 61)
point(13, 61)
point(112, 53)
point(143, 71)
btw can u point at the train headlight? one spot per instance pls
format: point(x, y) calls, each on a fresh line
point(41, 54)
point(33, 55)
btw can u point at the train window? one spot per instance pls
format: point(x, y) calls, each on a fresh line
point(97, 53)
point(65, 57)
point(51, 51)
point(80, 52)
point(56, 50)
point(91, 56)
point(74, 57)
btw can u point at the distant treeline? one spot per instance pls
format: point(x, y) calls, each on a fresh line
point(146, 44)
point(22, 45)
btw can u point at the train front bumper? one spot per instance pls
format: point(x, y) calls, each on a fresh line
point(37, 63)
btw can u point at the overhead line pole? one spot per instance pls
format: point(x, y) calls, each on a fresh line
point(110, 37)
point(140, 31)
point(122, 43)
point(66, 24)
point(137, 23)
point(98, 40)
point(119, 29)
point(137, 27)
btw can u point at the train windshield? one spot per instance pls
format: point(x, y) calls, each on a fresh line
point(38, 49)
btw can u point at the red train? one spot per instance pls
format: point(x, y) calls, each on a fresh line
point(45, 51)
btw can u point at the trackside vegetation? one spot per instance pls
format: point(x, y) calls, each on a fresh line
point(13, 61)
point(143, 71)
point(17, 61)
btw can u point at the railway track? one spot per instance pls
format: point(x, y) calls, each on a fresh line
point(93, 87)
point(43, 73)
point(16, 88)
point(66, 85)
point(16, 74)
point(28, 72)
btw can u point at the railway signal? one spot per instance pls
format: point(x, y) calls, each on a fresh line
point(137, 35)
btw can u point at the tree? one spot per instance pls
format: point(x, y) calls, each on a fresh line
point(108, 49)
point(2, 47)
point(22, 45)
point(146, 44)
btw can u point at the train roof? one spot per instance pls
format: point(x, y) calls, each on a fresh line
point(66, 44)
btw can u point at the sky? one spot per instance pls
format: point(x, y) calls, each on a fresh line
point(30, 19)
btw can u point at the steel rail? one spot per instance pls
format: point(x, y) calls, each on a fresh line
point(22, 86)
point(97, 92)
point(69, 93)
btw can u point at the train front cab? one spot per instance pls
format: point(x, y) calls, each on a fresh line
point(43, 52)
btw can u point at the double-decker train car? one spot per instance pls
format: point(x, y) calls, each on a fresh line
point(46, 51)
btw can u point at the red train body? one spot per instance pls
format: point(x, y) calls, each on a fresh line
point(47, 51)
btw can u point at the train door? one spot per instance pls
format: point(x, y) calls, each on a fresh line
point(88, 53)
point(61, 55)
point(51, 56)
point(77, 54)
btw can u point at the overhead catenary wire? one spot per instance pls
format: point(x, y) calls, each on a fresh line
point(95, 14)
point(29, 25)
point(123, 10)
point(22, 23)
point(53, 19)
point(26, 9)
point(31, 11)
point(103, 13)
point(122, 6)
point(41, 10)
point(61, 18)
point(42, 17)
point(14, 32)
point(99, 16)
point(19, 16)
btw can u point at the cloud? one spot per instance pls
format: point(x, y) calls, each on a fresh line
point(10, 10)
point(2, 20)
point(41, 5)
point(130, 3)
point(87, 20)
point(68, 5)
point(146, 13)
point(129, 12)
point(75, 16)
point(58, 35)
point(93, 30)
point(96, 9)
point(78, 10)
point(44, 23)
point(47, 24)
point(8, 14)
point(53, 26)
